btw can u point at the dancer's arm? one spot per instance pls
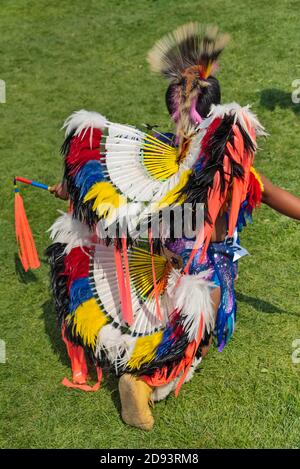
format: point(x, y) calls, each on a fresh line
point(280, 200)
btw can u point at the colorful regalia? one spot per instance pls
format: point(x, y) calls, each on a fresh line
point(134, 301)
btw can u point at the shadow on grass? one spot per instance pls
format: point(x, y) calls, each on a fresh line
point(262, 306)
point(110, 381)
point(24, 277)
point(271, 98)
point(53, 331)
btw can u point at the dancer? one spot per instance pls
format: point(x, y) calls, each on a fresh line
point(148, 308)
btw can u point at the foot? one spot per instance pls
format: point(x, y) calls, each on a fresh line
point(135, 397)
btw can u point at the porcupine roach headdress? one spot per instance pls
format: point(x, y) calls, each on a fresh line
point(187, 57)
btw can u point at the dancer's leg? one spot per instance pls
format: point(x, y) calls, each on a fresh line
point(135, 397)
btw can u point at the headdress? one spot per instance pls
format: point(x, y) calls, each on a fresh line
point(187, 57)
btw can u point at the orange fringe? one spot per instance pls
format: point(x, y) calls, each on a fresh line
point(27, 250)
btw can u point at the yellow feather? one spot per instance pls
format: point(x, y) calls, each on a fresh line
point(140, 266)
point(207, 71)
point(159, 158)
point(257, 177)
point(172, 195)
point(106, 198)
point(88, 320)
point(144, 350)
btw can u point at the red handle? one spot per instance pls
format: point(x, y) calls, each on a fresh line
point(26, 181)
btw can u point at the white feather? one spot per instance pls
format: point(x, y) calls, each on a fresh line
point(123, 148)
point(118, 347)
point(234, 109)
point(83, 119)
point(192, 298)
point(69, 231)
point(161, 392)
point(128, 216)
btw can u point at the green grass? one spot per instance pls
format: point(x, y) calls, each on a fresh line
point(59, 56)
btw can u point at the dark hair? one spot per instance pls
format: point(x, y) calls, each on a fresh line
point(209, 95)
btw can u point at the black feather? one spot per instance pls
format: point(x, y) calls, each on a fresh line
point(196, 189)
point(56, 257)
point(64, 149)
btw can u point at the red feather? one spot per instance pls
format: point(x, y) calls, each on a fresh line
point(254, 196)
point(76, 265)
point(83, 148)
point(209, 133)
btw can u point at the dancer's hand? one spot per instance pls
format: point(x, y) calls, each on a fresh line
point(60, 191)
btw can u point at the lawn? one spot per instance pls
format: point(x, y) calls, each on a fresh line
point(59, 56)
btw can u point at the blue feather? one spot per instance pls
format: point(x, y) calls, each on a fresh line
point(91, 173)
point(166, 343)
point(244, 216)
point(80, 292)
point(198, 166)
